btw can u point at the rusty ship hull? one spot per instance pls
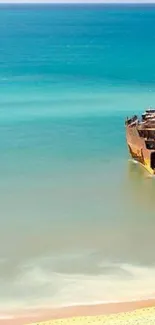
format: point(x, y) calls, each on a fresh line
point(140, 136)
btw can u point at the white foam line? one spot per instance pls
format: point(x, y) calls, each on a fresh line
point(102, 302)
point(133, 161)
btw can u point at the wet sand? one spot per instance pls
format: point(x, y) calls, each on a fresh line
point(104, 309)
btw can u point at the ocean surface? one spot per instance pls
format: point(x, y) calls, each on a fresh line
point(77, 216)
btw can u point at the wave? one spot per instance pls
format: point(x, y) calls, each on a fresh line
point(38, 286)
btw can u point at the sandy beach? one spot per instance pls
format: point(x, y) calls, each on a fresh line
point(24, 318)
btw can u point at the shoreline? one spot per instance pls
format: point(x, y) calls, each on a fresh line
point(37, 315)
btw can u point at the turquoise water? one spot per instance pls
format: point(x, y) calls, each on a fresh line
point(76, 215)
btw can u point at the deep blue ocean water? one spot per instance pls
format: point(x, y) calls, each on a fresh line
point(76, 215)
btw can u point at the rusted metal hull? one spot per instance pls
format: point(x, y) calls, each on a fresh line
point(137, 148)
